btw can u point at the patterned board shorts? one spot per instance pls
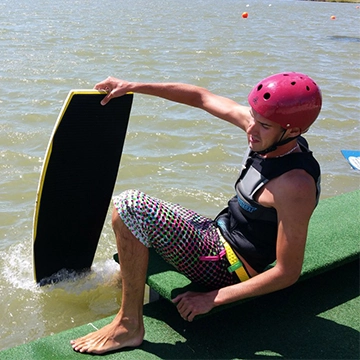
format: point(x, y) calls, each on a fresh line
point(188, 241)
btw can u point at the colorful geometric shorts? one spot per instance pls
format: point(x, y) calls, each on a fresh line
point(185, 239)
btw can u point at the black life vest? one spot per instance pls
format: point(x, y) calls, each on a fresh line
point(250, 227)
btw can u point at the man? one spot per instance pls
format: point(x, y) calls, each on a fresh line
point(267, 220)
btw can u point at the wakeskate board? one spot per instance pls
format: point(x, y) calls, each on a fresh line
point(76, 182)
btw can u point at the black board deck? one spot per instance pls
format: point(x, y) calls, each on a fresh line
point(77, 182)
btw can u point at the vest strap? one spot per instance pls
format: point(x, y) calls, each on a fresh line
point(235, 264)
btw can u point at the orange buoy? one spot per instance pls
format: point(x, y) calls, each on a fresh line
point(333, 17)
point(244, 15)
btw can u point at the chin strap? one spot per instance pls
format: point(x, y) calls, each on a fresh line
point(277, 144)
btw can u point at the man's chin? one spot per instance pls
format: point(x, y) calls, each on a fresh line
point(255, 148)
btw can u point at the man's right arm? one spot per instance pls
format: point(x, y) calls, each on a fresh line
point(187, 94)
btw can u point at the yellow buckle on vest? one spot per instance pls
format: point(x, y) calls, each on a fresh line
point(235, 263)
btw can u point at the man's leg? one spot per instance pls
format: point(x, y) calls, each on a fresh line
point(127, 328)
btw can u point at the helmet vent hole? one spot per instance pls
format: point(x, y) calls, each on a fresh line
point(259, 87)
point(293, 83)
point(267, 96)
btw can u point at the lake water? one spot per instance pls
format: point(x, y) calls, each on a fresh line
point(173, 152)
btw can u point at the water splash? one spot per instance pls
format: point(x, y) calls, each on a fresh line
point(17, 269)
point(30, 311)
point(18, 273)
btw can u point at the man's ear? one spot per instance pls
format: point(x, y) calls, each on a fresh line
point(294, 132)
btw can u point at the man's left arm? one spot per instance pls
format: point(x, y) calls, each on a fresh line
point(294, 201)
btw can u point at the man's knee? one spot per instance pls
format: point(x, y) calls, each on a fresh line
point(115, 219)
point(118, 224)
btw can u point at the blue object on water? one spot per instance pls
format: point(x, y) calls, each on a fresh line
point(353, 157)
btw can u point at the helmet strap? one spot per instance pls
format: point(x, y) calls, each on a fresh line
point(277, 144)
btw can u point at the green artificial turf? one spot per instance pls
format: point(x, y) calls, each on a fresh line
point(314, 319)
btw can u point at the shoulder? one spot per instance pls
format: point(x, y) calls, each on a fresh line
point(239, 115)
point(296, 179)
point(294, 191)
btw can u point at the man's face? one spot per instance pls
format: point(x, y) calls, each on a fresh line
point(261, 132)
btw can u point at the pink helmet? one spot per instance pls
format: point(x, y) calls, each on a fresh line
point(289, 99)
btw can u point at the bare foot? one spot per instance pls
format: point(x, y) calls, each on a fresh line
point(111, 337)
